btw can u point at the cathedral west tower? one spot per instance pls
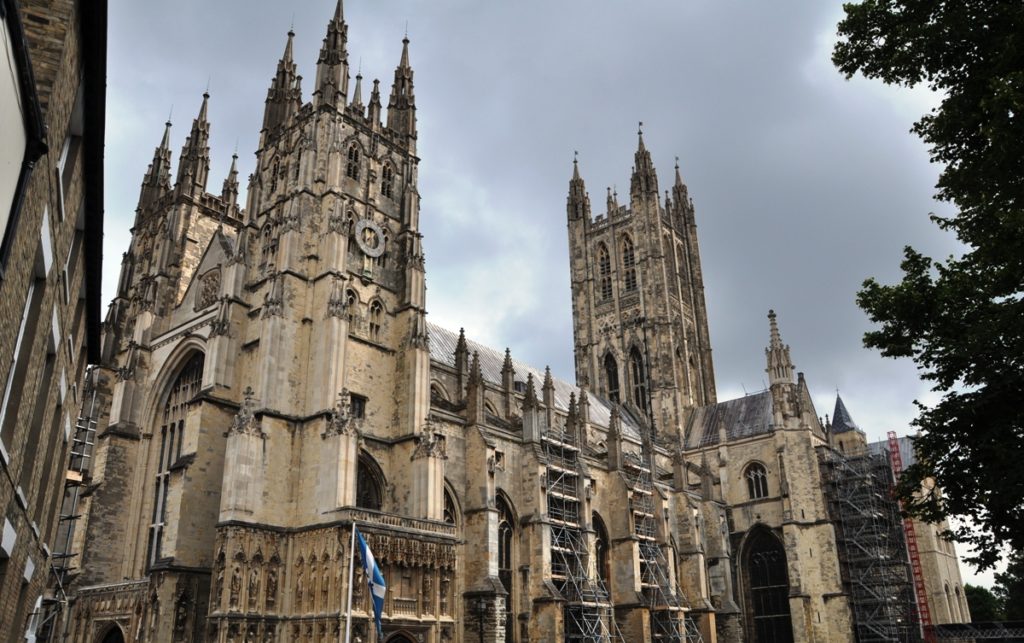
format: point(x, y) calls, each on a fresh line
point(639, 318)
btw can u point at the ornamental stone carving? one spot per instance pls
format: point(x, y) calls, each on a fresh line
point(245, 421)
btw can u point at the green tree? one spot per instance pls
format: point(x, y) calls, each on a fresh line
point(1010, 588)
point(961, 319)
point(983, 604)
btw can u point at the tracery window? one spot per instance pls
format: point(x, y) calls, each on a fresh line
point(629, 264)
point(611, 376)
point(757, 480)
point(604, 272)
point(268, 245)
point(352, 167)
point(171, 436)
point(639, 374)
point(376, 319)
point(506, 539)
point(768, 583)
point(351, 301)
point(601, 551)
point(387, 179)
point(451, 513)
point(369, 484)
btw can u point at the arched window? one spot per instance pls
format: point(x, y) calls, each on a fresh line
point(604, 271)
point(387, 180)
point(352, 167)
point(381, 260)
point(768, 588)
point(451, 511)
point(611, 376)
point(639, 373)
point(602, 552)
point(628, 264)
point(757, 480)
point(369, 484)
point(268, 244)
point(351, 302)
point(376, 319)
point(506, 539)
point(171, 434)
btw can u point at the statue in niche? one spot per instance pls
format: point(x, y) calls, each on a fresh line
point(236, 586)
point(325, 583)
point(312, 585)
point(357, 587)
point(298, 585)
point(272, 587)
point(181, 614)
point(445, 583)
point(254, 587)
point(218, 584)
point(428, 590)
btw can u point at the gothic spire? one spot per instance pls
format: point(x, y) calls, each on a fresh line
point(402, 103)
point(157, 180)
point(681, 197)
point(332, 65)
point(357, 95)
point(373, 114)
point(285, 94)
point(644, 181)
point(841, 420)
point(780, 368)
point(194, 162)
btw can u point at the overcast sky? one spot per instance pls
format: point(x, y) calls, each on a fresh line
point(804, 183)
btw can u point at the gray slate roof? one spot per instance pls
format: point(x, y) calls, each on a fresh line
point(442, 350)
point(744, 417)
point(841, 420)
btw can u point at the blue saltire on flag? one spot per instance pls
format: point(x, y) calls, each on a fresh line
point(374, 578)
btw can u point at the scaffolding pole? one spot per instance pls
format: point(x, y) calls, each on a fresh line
point(588, 613)
point(871, 546)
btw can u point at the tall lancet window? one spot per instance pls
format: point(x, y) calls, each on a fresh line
point(639, 374)
point(506, 541)
point(387, 181)
point(352, 167)
point(604, 271)
point(376, 320)
point(629, 264)
point(170, 436)
point(611, 377)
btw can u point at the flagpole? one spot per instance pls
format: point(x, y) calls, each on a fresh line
point(351, 567)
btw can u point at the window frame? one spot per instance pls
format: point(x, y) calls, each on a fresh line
point(35, 132)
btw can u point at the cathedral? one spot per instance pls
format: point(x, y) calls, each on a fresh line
point(269, 379)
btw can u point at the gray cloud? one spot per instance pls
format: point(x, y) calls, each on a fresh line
point(804, 183)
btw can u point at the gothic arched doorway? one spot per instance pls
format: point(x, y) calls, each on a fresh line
point(400, 638)
point(113, 635)
point(767, 588)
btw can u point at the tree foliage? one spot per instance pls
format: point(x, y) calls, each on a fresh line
point(983, 604)
point(961, 319)
point(1010, 588)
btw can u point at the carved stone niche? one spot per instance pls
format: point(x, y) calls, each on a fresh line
point(209, 289)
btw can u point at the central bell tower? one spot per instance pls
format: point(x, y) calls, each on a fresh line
point(639, 319)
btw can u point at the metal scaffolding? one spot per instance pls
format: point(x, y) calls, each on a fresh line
point(669, 621)
point(871, 546)
point(589, 617)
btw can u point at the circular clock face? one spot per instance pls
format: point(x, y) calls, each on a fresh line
point(370, 238)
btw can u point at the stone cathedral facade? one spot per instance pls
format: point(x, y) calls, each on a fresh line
point(269, 379)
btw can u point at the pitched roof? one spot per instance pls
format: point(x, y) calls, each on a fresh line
point(442, 350)
point(841, 420)
point(743, 417)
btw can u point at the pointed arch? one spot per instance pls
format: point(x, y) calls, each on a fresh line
point(352, 161)
point(766, 587)
point(604, 272)
point(168, 438)
point(351, 309)
point(387, 180)
point(611, 377)
point(756, 476)
point(452, 511)
point(370, 483)
point(439, 392)
point(628, 263)
point(376, 320)
point(602, 551)
point(508, 540)
point(638, 375)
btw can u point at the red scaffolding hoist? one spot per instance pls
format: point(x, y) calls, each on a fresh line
point(923, 613)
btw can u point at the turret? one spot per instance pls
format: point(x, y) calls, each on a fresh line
point(157, 181)
point(578, 203)
point(373, 115)
point(229, 193)
point(402, 103)
point(285, 94)
point(332, 65)
point(780, 368)
point(194, 163)
point(644, 182)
